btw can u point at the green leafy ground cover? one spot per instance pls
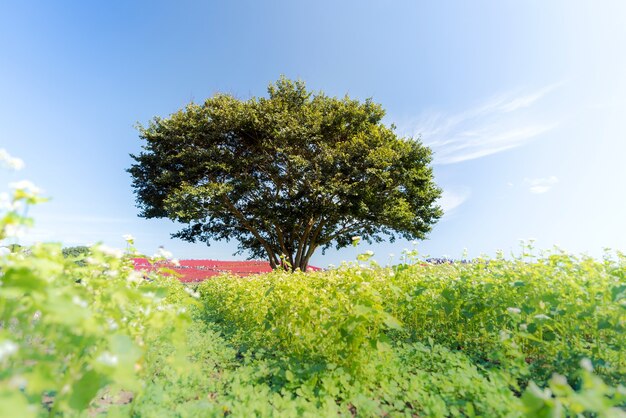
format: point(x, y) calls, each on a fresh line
point(85, 335)
point(496, 338)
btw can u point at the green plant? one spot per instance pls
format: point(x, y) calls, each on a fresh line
point(68, 331)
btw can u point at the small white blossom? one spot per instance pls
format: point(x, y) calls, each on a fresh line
point(113, 252)
point(356, 238)
point(26, 186)
point(586, 364)
point(134, 277)
point(10, 162)
point(523, 327)
point(128, 238)
point(108, 359)
point(14, 231)
point(542, 317)
point(559, 379)
point(192, 293)
point(7, 347)
point(515, 311)
point(504, 335)
point(78, 301)
point(162, 253)
point(8, 204)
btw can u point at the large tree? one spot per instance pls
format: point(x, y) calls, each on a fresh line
point(285, 175)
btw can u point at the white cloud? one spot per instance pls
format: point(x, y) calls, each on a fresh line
point(541, 185)
point(451, 199)
point(504, 122)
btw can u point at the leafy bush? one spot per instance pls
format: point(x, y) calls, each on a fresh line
point(434, 340)
point(68, 331)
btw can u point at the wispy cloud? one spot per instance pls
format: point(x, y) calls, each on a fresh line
point(453, 198)
point(541, 185)
point(501, 123)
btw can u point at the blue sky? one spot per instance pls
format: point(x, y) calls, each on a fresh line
point(523, 103)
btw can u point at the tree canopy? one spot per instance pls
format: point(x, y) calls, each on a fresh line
point(285, 174)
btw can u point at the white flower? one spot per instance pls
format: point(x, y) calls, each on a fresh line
point(356, 238)
point(515, 311)
point(25, 185)
point(8, 204)
point(108, 359)
point(112, 324)
point(586, 364)
point(192, 293)
point(504, 335)
point(78, 301)
point(14, 231)
point(162, 253)
point(369, 252)
point(128, 238)
point(7, 347)
point(523, 327)
point(12, 163)
point(542, 317)
point(113, 252)
point(135, 276)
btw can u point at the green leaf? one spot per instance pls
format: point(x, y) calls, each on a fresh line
point(85, 389)
point(392, 322)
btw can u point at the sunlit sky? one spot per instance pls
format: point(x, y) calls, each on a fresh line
point(523, 103)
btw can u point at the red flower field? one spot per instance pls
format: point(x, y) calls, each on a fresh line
point(199, 270)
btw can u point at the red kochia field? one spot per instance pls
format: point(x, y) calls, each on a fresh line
point(198, 270)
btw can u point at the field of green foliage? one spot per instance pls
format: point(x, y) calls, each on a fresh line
point(540, 337)
point(83, 334)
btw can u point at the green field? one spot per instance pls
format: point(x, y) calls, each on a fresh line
point(535, 336)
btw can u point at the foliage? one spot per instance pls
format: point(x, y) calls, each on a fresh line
point(482, 325)
point(68, 331)
point(285, 175)
point(78, 254)
point(77, 251)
